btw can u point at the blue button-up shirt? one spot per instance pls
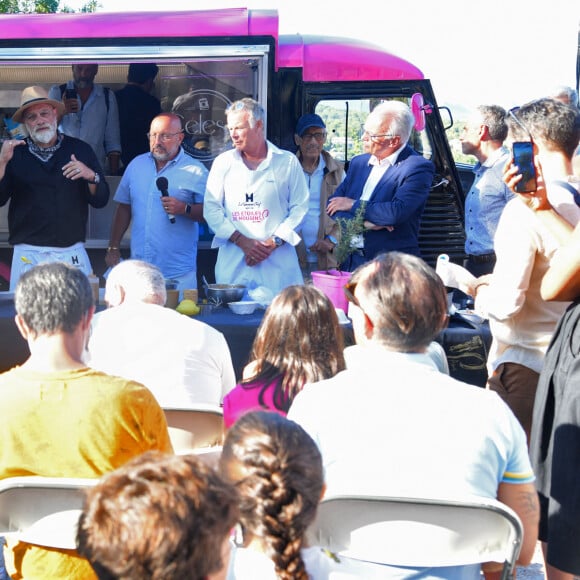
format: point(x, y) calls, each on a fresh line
point(170, 247)
point(485, 202)
point(96, 123)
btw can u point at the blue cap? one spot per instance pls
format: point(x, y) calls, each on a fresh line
point(307, 121)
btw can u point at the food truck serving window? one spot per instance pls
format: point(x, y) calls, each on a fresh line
point(196, 82)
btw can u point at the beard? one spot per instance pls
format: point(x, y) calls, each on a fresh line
point(43, 135)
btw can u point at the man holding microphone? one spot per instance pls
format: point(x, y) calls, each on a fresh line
point(161, 196)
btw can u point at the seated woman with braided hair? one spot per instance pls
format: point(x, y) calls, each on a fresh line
point(277, 470)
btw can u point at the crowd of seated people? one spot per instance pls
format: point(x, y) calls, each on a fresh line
point(302, 423)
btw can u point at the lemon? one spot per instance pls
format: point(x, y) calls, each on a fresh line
point(188, 307)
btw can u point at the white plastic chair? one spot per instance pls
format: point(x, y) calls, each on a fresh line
point(196, 429)
point(42, 510)
point(419, 532)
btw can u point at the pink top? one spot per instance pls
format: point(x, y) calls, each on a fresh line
point(241, 399)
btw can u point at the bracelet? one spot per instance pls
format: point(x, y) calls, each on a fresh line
point(112, 249)
point(235, 237)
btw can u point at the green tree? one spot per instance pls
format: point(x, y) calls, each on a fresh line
point(42, 6)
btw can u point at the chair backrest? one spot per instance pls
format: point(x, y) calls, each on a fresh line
point(419, 532)
point(42, 510)
point(191, 429)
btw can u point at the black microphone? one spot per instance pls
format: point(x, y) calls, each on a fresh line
point(162, 186)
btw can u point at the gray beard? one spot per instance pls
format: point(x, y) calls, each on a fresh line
point(45, 136)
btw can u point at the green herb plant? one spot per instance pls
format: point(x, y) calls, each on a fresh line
point(349, 229)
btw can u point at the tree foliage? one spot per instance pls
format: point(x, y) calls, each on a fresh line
point(42, 6)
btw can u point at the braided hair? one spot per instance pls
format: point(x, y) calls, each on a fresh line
point(277, 470)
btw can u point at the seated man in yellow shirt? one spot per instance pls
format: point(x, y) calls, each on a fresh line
point(62, 419)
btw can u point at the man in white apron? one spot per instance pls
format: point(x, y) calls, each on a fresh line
point(50, 180)
point(256, 198)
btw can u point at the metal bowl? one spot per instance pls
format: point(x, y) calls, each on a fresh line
point(224, 293)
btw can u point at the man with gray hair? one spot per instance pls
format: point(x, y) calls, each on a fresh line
point(483, 137)
point(255, 200)
point(391, 179)
point(63, 419)
point(391, 424)
point(184, 362)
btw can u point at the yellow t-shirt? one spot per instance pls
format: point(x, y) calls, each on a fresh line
point(80, 423)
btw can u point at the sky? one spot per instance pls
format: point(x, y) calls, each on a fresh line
point(503, 52)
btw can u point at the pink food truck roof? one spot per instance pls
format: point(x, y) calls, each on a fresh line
point(321, 58)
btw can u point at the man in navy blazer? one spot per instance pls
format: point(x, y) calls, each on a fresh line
point(392, 179)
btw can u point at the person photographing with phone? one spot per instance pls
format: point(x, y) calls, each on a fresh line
point(555, 424)
point(91, 114)
point(521, 321)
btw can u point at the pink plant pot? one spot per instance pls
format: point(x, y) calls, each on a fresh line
point(332, 283)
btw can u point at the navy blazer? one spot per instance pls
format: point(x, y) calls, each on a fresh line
point(397, 200)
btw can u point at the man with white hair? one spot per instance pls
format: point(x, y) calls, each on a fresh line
point(391, 179)
point(50, 180)
point(182, 361)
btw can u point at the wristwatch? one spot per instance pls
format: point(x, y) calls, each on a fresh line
point(97, 179)
point(187, 208)
point(278, 241)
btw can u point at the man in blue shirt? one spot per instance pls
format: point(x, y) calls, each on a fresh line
point(483, 137)
point(165, 229)
point(91, 115)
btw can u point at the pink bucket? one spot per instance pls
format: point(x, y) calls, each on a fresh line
point(332, 283)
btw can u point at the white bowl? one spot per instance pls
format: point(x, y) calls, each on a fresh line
point(246, 307)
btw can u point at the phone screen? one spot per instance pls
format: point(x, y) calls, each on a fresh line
point(70, 94)
point(523, 153)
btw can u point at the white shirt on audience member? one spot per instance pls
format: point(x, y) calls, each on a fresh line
point(181, 360)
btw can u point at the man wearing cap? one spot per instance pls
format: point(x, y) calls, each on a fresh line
point(323, 175)
point(50, 180)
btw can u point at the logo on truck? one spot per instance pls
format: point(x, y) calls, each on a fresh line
point(205, 123)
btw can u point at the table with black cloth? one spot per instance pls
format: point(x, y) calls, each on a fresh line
point(466, 343)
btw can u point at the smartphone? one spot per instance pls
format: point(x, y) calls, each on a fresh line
point(523, 154)
point(70, 94)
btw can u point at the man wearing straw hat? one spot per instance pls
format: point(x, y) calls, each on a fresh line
point(50, 180)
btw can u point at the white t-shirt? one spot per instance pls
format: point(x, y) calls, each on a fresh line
point(181, 360)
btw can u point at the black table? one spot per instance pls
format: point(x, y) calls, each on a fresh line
point(466, 344)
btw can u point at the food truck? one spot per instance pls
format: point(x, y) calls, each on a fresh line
point(209, 58)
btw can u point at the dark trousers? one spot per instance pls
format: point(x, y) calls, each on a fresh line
point(480, 265)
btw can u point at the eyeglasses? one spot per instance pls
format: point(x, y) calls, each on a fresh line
point(163, 136)
point(318, 136)
point(512, 114)
point(375, 136)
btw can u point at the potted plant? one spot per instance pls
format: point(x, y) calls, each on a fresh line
point(332, 282)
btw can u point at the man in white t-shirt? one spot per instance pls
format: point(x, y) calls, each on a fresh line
point(391, 424)
point(183, 362)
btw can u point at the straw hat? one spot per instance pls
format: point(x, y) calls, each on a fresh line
point(35, 96)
